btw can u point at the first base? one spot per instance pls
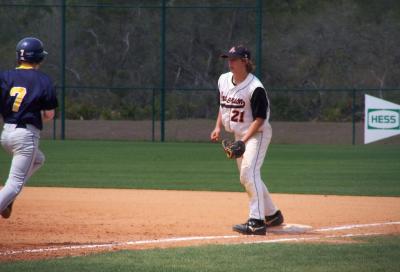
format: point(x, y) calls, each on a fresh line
point(290, 228)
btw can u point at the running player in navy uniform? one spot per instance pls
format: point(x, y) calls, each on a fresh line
point(27, 99)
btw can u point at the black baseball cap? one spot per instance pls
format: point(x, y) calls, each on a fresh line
point(237, 52)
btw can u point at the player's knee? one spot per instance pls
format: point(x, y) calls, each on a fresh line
point(245, 176)
point(40, 159)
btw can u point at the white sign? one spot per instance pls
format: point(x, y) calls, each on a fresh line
point(382, 119)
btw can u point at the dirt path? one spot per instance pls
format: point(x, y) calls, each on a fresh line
point(48, 222)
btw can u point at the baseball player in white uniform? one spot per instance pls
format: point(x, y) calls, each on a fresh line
point(244, 110)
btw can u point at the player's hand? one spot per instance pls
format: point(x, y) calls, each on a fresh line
point(48, 115)
point(215, 134)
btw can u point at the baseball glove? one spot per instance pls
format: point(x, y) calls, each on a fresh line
point(233, 150)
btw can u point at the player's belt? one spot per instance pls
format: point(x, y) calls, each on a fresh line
point(29, 127)
point(21, 126)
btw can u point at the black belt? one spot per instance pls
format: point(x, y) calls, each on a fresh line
point(21, 126)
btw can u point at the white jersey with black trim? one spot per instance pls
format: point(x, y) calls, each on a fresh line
point(235, 103)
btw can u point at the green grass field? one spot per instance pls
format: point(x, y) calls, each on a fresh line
point(372, 254)
point(314, 169)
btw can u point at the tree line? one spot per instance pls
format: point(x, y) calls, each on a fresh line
point(117, 44)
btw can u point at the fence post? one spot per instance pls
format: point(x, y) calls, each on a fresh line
point(63, 40)
point(259, 39)
point(353, 117)
point(162, 79)
point(153, 115)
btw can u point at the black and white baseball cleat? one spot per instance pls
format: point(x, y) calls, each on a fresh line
point(274, 220)
point(251, 227)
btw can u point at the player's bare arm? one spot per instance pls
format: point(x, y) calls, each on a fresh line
point(254, 127)
point(215, 134)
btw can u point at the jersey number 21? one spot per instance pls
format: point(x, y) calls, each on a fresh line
point(237, 116)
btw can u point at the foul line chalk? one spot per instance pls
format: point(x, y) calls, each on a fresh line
point(198, 238)
point(118, 244)
point(315, 238)
point(356, 226)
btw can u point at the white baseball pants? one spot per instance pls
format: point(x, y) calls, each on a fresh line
point(249, 165)
point(23, 145)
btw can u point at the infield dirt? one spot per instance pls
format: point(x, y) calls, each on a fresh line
point(52, 222)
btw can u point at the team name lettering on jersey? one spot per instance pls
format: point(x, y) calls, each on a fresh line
point(232, 102)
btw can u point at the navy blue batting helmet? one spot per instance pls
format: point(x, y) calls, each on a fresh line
point(30, 50)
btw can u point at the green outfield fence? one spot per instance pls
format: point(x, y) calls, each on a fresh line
point(192, 114)
point(156, 63)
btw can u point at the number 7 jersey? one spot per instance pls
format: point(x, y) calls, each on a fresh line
point(25, 92)
point(237, 105)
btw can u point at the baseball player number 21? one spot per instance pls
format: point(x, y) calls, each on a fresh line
point(19, 93)
point(237, 116)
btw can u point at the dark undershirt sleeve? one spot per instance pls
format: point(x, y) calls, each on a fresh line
point(259, 103)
